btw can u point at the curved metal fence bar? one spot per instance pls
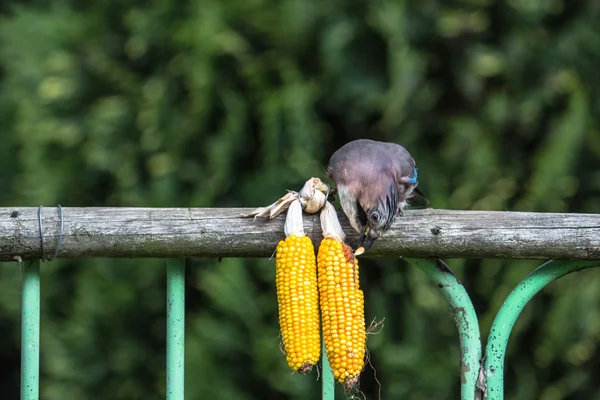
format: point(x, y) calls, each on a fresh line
point(464, 316)
point(30, 330)
point(510, 311)
point(175, 328)
point(327, 383)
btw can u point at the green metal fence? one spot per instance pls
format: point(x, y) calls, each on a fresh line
point(168, 233)
point(479, 379)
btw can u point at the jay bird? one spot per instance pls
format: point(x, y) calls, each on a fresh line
point(375, 181)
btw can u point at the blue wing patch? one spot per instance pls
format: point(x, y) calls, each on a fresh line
point(413, 180)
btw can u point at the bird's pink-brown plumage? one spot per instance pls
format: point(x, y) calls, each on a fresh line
point(373, 179)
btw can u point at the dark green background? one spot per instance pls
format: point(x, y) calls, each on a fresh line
point(215, 103)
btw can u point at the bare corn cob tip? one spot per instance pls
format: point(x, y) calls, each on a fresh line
point(330, 224)
point(342, 303)
point(293, 220)
point(297, 295)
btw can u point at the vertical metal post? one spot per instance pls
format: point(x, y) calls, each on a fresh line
point(30, 330)
point(175, 328)
point(510, 311)
point(328, 384)
point(465, 318)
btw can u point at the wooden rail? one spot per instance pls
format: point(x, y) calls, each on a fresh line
point(215, 232)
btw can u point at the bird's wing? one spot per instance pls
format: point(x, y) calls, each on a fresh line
point(405, 170)
point(404, 165)
point(361, 163)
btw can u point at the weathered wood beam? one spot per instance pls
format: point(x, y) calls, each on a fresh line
point(222, 232)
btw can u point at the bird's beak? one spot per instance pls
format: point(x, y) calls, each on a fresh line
point(366, 241)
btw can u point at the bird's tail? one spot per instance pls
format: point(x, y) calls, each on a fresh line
point(417, 200)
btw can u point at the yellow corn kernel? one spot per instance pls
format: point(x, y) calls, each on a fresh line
point(342, 311)
point(298, 300)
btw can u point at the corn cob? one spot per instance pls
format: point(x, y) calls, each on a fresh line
point(297, 295)
point(342, 303)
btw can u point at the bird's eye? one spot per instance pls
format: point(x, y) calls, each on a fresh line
point(374, 217)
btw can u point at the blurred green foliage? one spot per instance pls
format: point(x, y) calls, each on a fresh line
point(211, 103)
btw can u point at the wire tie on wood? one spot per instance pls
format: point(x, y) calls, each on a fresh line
point(60, 237)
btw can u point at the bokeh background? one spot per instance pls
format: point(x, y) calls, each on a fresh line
point(216, 103)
